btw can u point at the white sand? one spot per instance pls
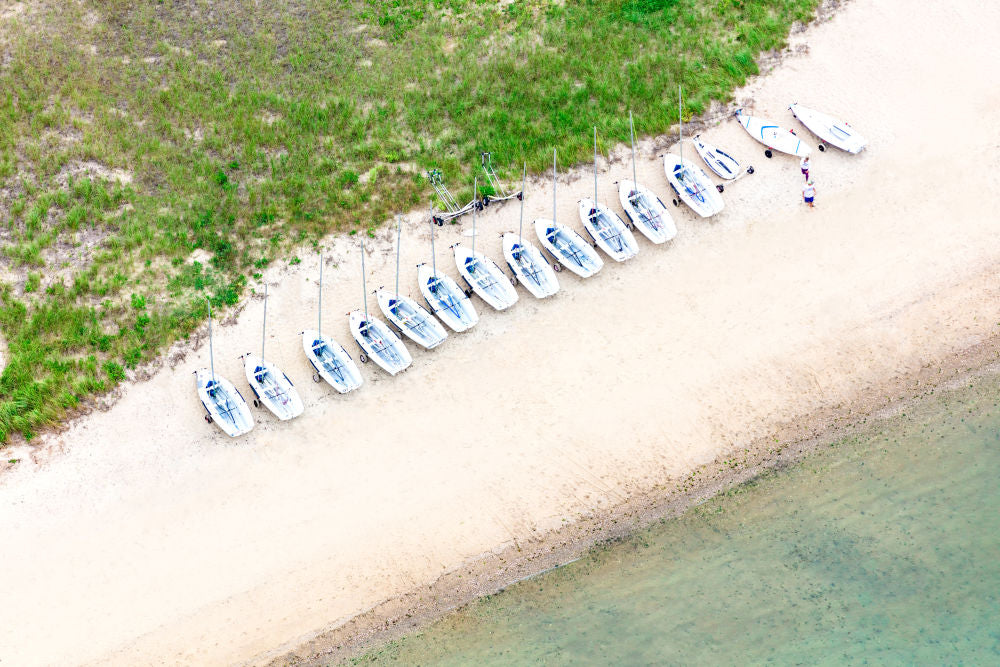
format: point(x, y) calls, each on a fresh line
point(143, 535)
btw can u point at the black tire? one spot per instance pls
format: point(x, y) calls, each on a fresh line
point(208, 419)
point(363, 358)
point(675, 202)
point(768, 153)
point(750, 169)
point(557, 267)
point(822, 148)
point(315, 377)
point(513, 280)
point(256, 402)
point(468, 293)
point(720, 188)
point(520, 196)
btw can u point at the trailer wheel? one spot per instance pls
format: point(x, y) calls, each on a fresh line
point(720, 188)
point(675, 202)
point(208, 419)
point(363, 357)
point(520, 196)
point(315, 377)
point(822, 148)
point(256, 402)
point(750, 169)
point(513, 280)
point(768, 153)
point(557, 267)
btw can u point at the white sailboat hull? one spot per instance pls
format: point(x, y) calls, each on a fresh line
point(646, 212)
point(692, 185)
point(331, 362)
point(379, 342)
point(272, 388)
point(412, 319)
point(224, 403)
point(529, 265)
point(446, 299)
point(829, 129)
point(568, 247)
point(485, 278)
point(773, 135)
point(608, 231)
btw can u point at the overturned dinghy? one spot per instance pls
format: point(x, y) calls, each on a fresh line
point(529, 265)
point(411, 318)
point(692, 185)
point(719, 161)
point(646, 212)
point(223, 403)
point(272, 388)
point(331, 362)
point(379, 344)
point(772, 135)
point(829, 129)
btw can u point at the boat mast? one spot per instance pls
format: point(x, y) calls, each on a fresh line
point(364, 283)
point(399, 233)
point(319, 321)
point(475, 196)
point(520, 224)
point(433, 258)
point(211, 351)
point(263, 327)
point(631, 132)
point(680, 124)
point(595, 171)
point(553, 186)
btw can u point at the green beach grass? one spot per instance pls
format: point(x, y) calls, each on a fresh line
point(154, 153)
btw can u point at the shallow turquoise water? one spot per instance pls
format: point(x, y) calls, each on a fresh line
point(881, 548)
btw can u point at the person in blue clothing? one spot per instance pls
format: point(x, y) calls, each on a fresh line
point(809, 192)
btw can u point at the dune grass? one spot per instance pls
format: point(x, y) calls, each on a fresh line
point(153, 153)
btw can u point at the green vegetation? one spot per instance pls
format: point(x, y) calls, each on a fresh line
point(152, 153)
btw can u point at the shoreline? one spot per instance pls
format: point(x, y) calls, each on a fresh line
point(766, 321)
point(492, 572)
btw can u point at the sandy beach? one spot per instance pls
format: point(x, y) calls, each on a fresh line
point(142, 535)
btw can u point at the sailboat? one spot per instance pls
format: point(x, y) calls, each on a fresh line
point(604, 226)
point(329, 359)
point(526, 261)
point(690, 182)
point(223, 403)
point(565, 245)
point(481, 273)
point(406, 314)
point(644, 209)
point(374, 337)
point(271, 387)
point(443, 295)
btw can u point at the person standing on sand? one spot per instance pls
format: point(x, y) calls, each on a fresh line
point(805, 166)
point(809, 193)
